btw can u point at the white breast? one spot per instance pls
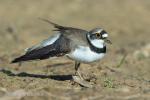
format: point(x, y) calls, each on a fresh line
point(84, 54)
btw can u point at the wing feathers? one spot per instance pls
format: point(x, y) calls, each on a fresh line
point(42, 53)
point(59, 48)
point(59, 27)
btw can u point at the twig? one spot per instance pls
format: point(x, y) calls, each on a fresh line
point(122, 61)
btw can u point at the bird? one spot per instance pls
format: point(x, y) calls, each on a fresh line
point(77, 44)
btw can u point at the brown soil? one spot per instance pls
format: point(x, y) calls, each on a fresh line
point(124, 74)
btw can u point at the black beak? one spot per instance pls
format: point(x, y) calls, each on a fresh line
point(108, 41)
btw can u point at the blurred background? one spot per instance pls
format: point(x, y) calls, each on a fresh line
point(124, 70)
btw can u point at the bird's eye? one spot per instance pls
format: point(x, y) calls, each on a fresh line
point(98, 35)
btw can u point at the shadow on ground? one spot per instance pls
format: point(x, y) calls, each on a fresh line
point(24, 74)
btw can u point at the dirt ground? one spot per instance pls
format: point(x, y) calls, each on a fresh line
point(124, 73)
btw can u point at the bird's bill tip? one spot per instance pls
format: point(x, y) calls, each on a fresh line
point(108, 41)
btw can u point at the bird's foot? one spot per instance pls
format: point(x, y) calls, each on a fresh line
point(81, 81)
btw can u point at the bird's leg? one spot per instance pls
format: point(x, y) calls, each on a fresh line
point(77, 65)
point(78, 78)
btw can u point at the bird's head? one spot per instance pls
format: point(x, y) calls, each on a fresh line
point(98, 37)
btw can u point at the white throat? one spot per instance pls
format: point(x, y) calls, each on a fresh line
point(97, 43)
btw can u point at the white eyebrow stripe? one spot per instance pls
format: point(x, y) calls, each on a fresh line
point(99, 31)
point(105, 35)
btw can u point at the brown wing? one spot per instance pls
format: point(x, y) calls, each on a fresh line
point(59, 48)
point(76, 35)
point(62, 28)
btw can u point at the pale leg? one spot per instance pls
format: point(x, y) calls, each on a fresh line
point(77, 72)
point(78, 78)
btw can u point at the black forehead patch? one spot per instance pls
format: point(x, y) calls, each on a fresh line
point(103, 32)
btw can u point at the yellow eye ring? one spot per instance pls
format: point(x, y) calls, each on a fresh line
point(98, 35)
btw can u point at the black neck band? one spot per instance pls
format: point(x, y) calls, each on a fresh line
point(95, 49)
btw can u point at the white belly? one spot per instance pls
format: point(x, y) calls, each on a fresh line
point(84, 54)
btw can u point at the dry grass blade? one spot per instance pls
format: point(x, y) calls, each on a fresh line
point(121, 61)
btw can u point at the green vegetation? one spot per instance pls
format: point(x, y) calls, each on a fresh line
point(108, 82)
